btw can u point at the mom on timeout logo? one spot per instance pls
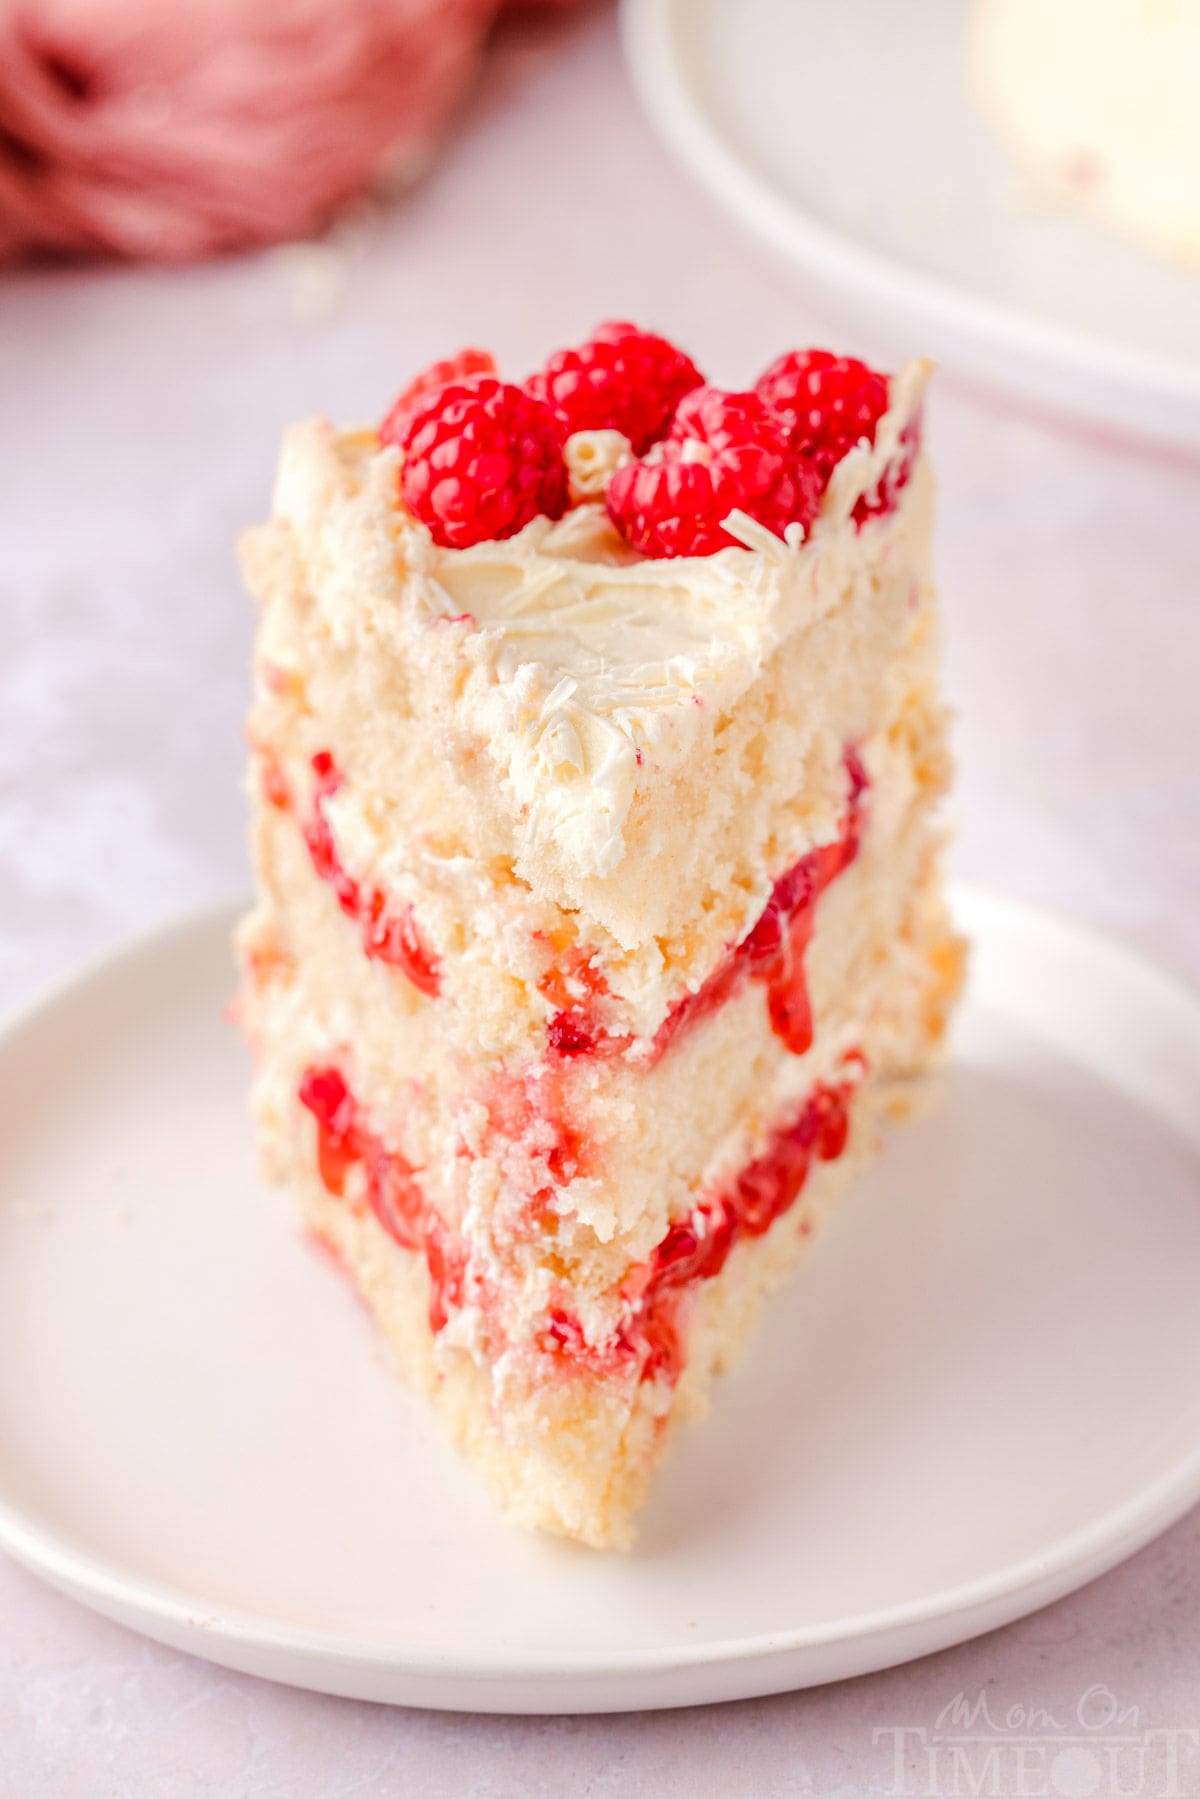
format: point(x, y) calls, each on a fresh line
point(1101, 1750)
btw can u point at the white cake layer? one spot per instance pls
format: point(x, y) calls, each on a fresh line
point(571, 1455)
point(565, 1447)
point(402, 820)
point(646, 1137)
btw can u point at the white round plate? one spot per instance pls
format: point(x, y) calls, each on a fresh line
point(843, 131)
point(981, 1390)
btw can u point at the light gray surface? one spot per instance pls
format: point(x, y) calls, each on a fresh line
point(140, 413)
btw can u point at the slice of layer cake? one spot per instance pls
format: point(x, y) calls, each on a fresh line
point(595, 757)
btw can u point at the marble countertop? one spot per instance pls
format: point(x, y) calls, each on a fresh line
point(141, 411)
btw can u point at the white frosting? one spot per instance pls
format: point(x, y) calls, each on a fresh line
point(590, 659)
point(581, 666)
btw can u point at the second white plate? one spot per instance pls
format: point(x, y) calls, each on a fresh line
point(844, 132)
point(982, 1388)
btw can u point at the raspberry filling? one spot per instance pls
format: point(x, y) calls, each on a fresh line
point(527, 1113)
point(389, 933)
point(345, 1141)
point(650, 1336)
point(697, 1248)
point(541, 1149)
point(275, 789)
point(772, 952)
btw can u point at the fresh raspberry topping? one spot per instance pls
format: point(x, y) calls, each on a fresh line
point(886, 493)
point(830, 403)
point(429, 382)
point(481, 459)
point(827, 403)
point(724, 452)
point(621, 379)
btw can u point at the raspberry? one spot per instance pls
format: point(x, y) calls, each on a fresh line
point(429, 382)
point(887, 491)
point(481, 459)
point(621, 379)
point(723, 451)
point(827, 403)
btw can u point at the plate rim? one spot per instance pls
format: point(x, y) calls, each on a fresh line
point(1153, 394)
point(760, 1663)
point(1094, 1548)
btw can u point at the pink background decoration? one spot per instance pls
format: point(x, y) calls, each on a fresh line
point(171, 132)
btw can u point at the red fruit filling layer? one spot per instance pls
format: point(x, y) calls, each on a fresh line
point(345, 1141)
point(697, 1248)
point(540, 1149)
point(275, 789)
point(650, 1336)
point(772, 952)
point(389, 933)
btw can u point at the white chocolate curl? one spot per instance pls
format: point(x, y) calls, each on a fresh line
point(592, 459)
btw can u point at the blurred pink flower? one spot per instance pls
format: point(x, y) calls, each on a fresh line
point(170, 131)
